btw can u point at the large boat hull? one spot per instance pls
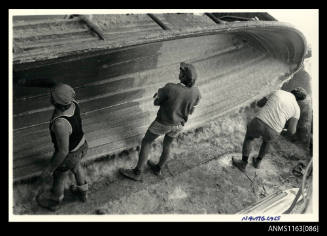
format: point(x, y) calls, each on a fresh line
point(236, 65)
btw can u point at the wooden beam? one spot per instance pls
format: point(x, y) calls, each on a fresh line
point(215, 19)
point(159, 22)
point(92, 26)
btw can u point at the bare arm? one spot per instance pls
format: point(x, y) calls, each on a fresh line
point(291, 127)
point(62, 138)
point(262, 102)
point(196, 103)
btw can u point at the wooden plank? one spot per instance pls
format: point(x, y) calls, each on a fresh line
point(224, 100)
point(56, 43)
point(109, 22)
point(199, 81)
point(98, 67)
point(30, 171)
point(33, 23)
point(116, 85)
point(91, 126)
point(95, 139)
point(89, 105)
point(47, 29)
point(121, 98)
point(239, 27)
point(206, 41)
point(50, 35)
point(53, 40)
point(96, 132)
point(102, 112)
point(113, 114)
point(76, 73)
point(45, 116)
point(127, 29)
point(184, 20)
point(43, 152)
point(191, 46)
point(132, 35)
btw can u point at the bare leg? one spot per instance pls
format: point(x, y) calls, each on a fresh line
point(166, 150)
point(135, 174)
point(79, 174)
point(145, 149)
point(51, 200)
point(82, 186)
point(247, 147)
point(58, 183)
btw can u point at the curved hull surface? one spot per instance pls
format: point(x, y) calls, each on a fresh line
point(236, 64)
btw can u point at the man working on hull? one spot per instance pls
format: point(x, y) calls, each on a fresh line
point(177, 102)
point(280, 107)
point(70, 146)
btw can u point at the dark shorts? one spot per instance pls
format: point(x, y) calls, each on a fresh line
point(73, 158)
point(257, 128)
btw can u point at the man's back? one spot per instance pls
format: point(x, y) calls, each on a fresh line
point(176, 103)
point(280, 107)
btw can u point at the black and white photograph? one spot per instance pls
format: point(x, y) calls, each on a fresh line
point(163, 115)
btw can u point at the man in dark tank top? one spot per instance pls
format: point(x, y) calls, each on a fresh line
point(70, 146)
point(177, 101)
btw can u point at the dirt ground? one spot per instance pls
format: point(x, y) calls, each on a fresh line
point(198, 178)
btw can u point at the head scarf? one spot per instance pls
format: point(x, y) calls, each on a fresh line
point(63, 94)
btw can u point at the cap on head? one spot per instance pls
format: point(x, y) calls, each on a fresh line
point(190, 74)
point(299, 93)
point(63, 94)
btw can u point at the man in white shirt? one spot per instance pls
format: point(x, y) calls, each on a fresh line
point(277, 109)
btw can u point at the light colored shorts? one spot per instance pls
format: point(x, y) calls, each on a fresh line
point(161, 129)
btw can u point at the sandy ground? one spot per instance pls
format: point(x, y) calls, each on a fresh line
point(198, 178)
